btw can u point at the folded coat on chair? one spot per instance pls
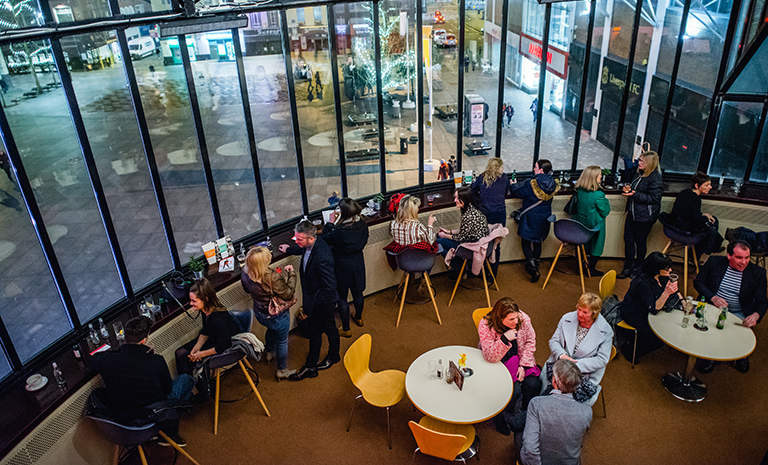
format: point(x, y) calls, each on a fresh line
point(479, 249)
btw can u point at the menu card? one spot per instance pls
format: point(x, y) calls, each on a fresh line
point(458, 375)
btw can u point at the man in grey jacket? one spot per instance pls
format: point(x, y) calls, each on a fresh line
point(556, 423)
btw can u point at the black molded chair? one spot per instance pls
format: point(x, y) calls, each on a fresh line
point(130, 437)
point(416, 261)
point(571, 232)
point(684, 239)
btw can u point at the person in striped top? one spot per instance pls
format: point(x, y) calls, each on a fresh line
point(406, 229)
point(733, 282)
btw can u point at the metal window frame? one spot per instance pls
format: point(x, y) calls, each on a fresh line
point(419, 36)
point(333, 52)
point(460, 97)
point(756, 142)
point(542, 81)
point(379, 97)
point(502, 75)
point(584, 84)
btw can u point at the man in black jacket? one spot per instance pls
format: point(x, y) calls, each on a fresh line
point(319, 297)
point(734, 282)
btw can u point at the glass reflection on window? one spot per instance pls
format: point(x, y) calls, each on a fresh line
point(736, 130)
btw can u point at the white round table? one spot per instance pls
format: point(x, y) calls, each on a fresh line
point(733, 342)
point(485, 393)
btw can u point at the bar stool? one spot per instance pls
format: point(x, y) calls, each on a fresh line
point(465, 254)
point(683, 239)
point(571, 232)
point(416, 261)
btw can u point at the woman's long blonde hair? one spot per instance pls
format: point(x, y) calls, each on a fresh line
point(651, 160)
point(493, 171)
point(257, 263)
point(408, 209)
point(588, 178)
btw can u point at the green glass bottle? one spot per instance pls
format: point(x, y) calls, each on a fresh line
point(721, 319)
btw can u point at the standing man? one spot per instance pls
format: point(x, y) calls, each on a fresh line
point(138, 382)
point(556, 424)
point(319, 297)
point(534, 108)
point(733, 282)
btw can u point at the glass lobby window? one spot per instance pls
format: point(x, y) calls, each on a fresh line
point(521, 84)
point(735, 135)
point(164, 96)
point(482, 51)
point(130, 7)
point(397, 26)
point(262, 47)
point(105, 104)
point(441, 81)
point(310, 56)
point(221, 109)
point(30, 306)
point(760, 168)
point(19, 13)
point(5, 368)
point(42, 128)
point(76, 10)
point(356, 58)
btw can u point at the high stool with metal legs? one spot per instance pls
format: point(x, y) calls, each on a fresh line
point(571, 232)
point(416, 261)
point(685, 240)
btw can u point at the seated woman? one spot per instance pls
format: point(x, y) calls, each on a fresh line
point(406, 229)
point(584, 337)
point(686, 215)
point(473, 227)
point(261, 283)
point(507, 336)
point(218, 328)
point(647, 294)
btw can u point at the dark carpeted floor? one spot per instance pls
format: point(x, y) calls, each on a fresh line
point(644, 424)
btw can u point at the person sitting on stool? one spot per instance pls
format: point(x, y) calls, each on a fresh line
point(733, 282)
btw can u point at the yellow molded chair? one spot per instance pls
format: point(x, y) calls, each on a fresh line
point(607, 284)
point(442, 440)
point(602, 391)
point(478, 315)
point(382, 389)
point(625, 325)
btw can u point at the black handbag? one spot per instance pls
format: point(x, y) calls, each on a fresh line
point(517, 215)
point(572, 206)
point(177, 287)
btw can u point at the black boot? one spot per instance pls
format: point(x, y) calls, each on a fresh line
point(626, 272)
point(533, 269)
point(593, 271)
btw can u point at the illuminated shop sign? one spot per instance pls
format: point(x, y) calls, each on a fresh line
point(557, 60)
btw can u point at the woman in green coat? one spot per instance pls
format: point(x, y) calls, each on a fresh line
point(591, 210)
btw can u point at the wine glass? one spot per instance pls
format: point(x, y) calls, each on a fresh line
point(737, 183)
point(567, 177)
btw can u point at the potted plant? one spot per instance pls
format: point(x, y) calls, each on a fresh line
point(609, 179)
point(197, 265)
point(377, 201)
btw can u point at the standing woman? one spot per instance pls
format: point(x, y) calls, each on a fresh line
point(490, 190)
point(591, 210)
point(218, 328)
point(643, 206)
point(533, 226)
point(347, 235)
point(261, 283)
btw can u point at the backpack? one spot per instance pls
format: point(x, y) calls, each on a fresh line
point(611, 310)
point(394, 203)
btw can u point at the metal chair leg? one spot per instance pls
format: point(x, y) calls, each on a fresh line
point(177, 447)
point(432, 296)
point(685, 269)
point(634, 351)
point(602, 392)
point(389, 430)
point(581, 270)
point(216, 405)
point(353, 412)
point(402, 299)
point(554, 262)
point(461, 273)
point(143, 457)
point(253, 386)
point(413, 459)
point(490, 270)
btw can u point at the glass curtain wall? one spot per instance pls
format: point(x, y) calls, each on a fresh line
point(264, 64)
point(735, 135)
point(760, 168)
point(311, 59)
point(441, 83)
point(356, 58)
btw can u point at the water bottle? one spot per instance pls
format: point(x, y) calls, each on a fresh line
point(103, 329)
point(514, 176)
point(439, 369)
point(76, 352)
point(93, 335)
point(687, 309)
point(58, 375)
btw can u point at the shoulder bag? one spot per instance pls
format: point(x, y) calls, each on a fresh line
point(517, 215)
point(277, 304)
point(572, 206)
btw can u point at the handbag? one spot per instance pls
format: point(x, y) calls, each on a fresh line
point(277, 304)
point(572, 206)
point(517, 215)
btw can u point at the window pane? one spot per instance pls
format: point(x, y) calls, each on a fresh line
point(271, 114)
point(310, 56)
point(735, 135)
point(482, 47)
point(5, 368)
point(130, 7)
point(441, 85)
point(356, 58)
point(63, 190)
point(110, 122)
point(77, 10)
point(221, 109)
point(760, 168)
point(398, 76)
point(165, 99)
point(30, 305)
point(21, 14)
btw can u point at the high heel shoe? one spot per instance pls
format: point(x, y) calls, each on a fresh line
point(284, 374)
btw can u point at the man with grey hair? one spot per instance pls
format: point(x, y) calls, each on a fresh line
point(319, 297)
point(556, 424)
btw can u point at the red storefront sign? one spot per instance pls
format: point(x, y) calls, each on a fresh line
point(557, 60)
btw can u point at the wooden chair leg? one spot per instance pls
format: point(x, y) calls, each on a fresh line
point(581, 270)
point(216, 405)
point(248, 364)
point(490, 270)
point(400, 285)
point(554, 262)
point(485, 285)
point(116, 461)
point(143, 457)
point(695, 260)
point(685, 270)
point(177, 447)
point(667, 247)
point(402, 299)
point(458, 280)
point(432, 296)
point(253, 386)
point(584, 254)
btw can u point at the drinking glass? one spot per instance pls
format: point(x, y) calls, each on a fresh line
point(673, 277)
point(737, 183)
point(430, 199)
point(119, 332)
point(567, 177)
point(432, 369)
point(241, 259)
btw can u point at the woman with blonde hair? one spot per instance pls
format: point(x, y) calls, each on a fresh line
point(406, 229)
point(490, 190)
point(591, 210)
point(262, 283)
point(643, 205)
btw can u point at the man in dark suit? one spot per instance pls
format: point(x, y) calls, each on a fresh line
point(733, 282)
point(319, 297)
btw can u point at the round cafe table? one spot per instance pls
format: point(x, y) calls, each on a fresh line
point(733, 342)
point(485, 393)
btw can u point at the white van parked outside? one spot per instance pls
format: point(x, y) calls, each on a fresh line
point(141, 47)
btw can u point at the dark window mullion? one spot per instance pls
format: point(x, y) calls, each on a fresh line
point(673, 77)
point(198, 121)
point(294, 112)
point(337, 99)
point(460, 96)
point(8, 349)
point(542, 82)
point(584, 82)
point(149, 152)
point(756, 142)
point(380, 100)
point(91, 168)
point(38, 223)
point(420, 86)
point(502, 75)
point(249, 129)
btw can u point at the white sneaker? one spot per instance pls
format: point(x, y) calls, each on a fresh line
point(284, 374)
